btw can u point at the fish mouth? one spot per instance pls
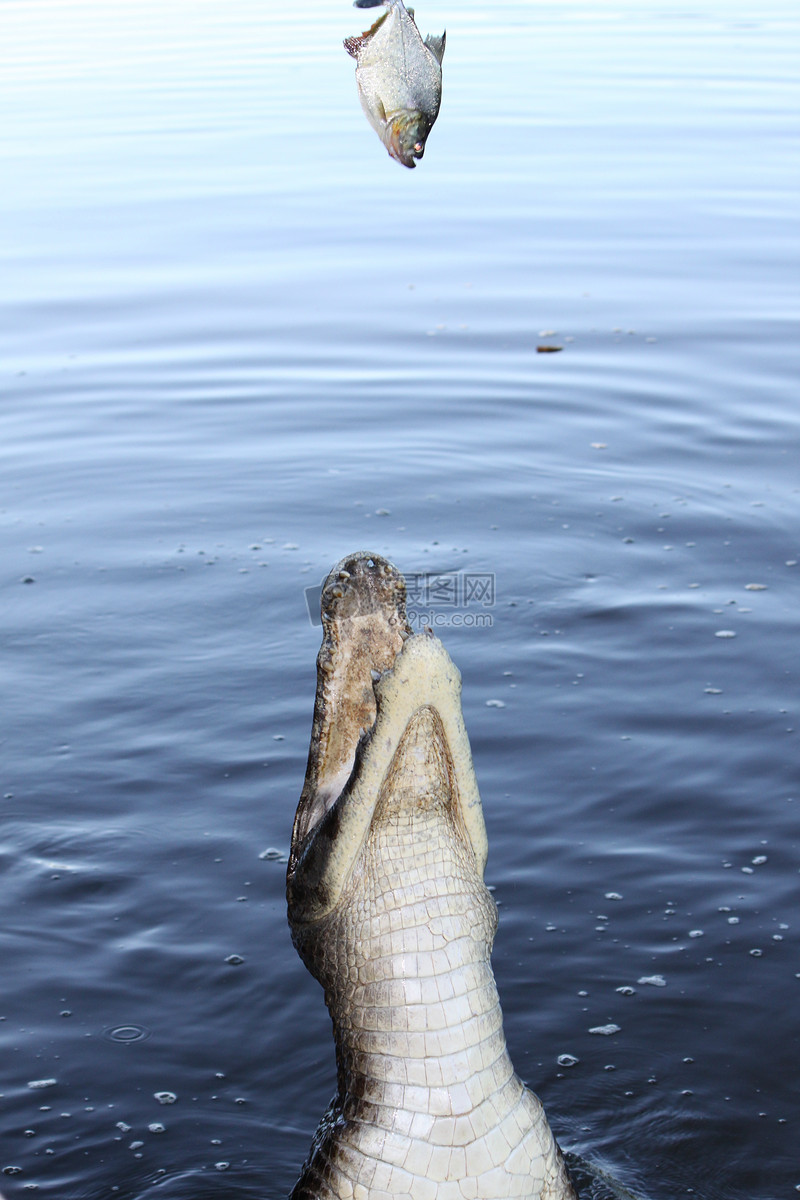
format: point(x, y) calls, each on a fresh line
point(405, 137)
point(387, 731)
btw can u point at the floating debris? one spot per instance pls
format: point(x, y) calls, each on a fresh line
point(548, 349)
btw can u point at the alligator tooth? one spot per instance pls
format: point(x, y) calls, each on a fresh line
point(327, 666)
point(337, 592)
point(344, 574)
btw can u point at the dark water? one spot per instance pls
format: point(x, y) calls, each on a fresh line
point(238, 342)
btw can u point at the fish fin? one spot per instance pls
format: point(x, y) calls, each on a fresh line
point(357, 43)
point(436, 45)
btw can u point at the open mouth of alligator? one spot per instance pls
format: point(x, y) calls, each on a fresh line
point(387, 730)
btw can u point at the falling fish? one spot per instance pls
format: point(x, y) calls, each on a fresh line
point(399, 79)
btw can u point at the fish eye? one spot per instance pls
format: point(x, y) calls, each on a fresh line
point(418, 147)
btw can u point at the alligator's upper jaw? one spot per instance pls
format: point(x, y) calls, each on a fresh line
point(404, 691)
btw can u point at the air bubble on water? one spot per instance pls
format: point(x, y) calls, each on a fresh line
point(725, 633)
point(606, 1030)
point(222, 1166)
point(759, 860)
point(626, 990)
point(122, 1127)
point(567, 1060)
point(42, 1083)
point(165, 1097)
point(747, 871)
point(612, 896)
point(495, 704)
point(234, 960)
point(136, 1145)
point(713, 691)
point(755, 587)
point(271, 854)
point(157, 1127)
point(696, 933)
point(756, 953)
point(733, 920)
point(653, 980)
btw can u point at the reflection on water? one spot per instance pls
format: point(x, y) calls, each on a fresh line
point(399, 79)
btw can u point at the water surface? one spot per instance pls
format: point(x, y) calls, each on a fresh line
point(239, 342)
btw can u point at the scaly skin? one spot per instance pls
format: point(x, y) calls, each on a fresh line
point(390, 913)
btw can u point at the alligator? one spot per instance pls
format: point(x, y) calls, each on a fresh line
point(389, 911)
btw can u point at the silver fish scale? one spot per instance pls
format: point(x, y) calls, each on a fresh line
point(396, 70)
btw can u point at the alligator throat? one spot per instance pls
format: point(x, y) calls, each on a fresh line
point(390, 913)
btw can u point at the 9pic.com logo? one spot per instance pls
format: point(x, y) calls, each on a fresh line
point(437, 600)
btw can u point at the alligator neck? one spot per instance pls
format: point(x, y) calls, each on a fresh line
point(417, 1021)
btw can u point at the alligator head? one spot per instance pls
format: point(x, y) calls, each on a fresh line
point(389, 911)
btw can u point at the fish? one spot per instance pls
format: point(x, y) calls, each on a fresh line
point(399, 78)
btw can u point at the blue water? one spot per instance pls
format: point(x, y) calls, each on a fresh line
point(239, 342)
